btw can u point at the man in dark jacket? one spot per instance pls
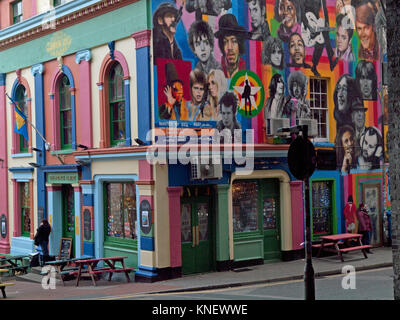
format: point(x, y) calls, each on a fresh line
point(43, 237)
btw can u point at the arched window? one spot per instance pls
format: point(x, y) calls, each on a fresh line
point(64, 102)
point(117, 105)
point(21, 99)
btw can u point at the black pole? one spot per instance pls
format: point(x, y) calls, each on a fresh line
point(309, 280)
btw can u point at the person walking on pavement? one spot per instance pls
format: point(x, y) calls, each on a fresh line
point(364, 224)
point(42, 236)
point(350, 215)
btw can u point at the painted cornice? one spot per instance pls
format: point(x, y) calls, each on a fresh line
point(69, 14)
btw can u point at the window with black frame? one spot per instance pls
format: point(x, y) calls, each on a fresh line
point(322, 207)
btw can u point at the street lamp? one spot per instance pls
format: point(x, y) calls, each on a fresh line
point(302, 160)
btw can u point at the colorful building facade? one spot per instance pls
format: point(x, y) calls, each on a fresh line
point(153, 127)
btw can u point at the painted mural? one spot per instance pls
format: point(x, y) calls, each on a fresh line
point(248, 63)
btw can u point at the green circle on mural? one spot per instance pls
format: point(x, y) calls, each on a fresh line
point(250, 92)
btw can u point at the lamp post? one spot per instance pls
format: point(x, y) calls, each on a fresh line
point(302, 161)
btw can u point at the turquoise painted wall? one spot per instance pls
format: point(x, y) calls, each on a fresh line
point(118, 24)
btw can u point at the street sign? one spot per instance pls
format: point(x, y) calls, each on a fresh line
point(302, 158)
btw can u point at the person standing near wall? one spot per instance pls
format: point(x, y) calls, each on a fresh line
point(42, 236)
point(364, 224)
point(350, 215)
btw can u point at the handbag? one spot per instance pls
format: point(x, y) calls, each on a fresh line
point(36, 239)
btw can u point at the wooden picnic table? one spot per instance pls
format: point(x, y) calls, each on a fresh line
point(14, 263)
point(64, 267)
point(348, 241)
point(89, 266)
point(3, 285)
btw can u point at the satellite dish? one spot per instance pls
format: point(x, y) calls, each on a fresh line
point(302, 158)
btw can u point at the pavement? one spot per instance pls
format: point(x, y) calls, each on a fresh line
point(29, 286)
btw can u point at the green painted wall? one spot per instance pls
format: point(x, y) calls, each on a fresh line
point(118, 24)
point(222, 227)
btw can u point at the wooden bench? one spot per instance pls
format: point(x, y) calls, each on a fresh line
point(363, 248)
point(3, 287)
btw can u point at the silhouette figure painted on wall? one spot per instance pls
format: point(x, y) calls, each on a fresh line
point(246, 96)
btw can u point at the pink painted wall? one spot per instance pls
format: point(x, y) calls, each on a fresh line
point(4, 243)
point(175, 226)
point(296, 191)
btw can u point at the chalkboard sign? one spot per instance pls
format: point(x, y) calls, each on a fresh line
point(65, 248)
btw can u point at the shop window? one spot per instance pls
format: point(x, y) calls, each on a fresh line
point(245, 206)
point(64, 100)
point(25, 209)
point(117, 105)
point(120, 203)
point(16, 11)
point(21, 99)
point(322, 207)
point(319, 105)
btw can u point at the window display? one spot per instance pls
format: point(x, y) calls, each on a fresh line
point(322, 207)
point(269, 213)
point(245, 206)
point(25, 208)
point(121, 210)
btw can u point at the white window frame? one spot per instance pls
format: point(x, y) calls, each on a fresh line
point(317, 101)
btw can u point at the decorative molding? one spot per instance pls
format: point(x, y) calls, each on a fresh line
point(32, 28)
point(142, 38)
point(37, 69)
point(111, 46)
point(83, 55)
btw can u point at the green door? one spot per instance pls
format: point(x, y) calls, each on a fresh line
point(197, 255)
point(68, 214)
point(271, 213)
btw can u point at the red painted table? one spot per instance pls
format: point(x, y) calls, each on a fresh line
point(349, 239)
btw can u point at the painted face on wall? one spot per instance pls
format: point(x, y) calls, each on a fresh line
point(168, 23)
point(369, 145)
point(347, 142)
point(227, 116)
point(287, 13)
point(365, 85)
point(213, 86)
point(231, 49)
point(276, 57)
point(257, 16)
point(296, 49)
point(296, 90)
point(202, 48)
point(342, 39)
point(342, 94)
point(177, 90)
point(197, 93)
point(366, 34)
point(358, 117)
point(280, 87)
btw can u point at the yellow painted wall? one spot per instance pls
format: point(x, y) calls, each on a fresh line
point(161, 216)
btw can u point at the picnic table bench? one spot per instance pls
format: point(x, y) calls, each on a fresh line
point(89, 267)
point(64, 267)
point(14, 263)
point(3, 285)
point(345, 238)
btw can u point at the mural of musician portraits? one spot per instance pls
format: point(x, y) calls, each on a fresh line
point(261, 56)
